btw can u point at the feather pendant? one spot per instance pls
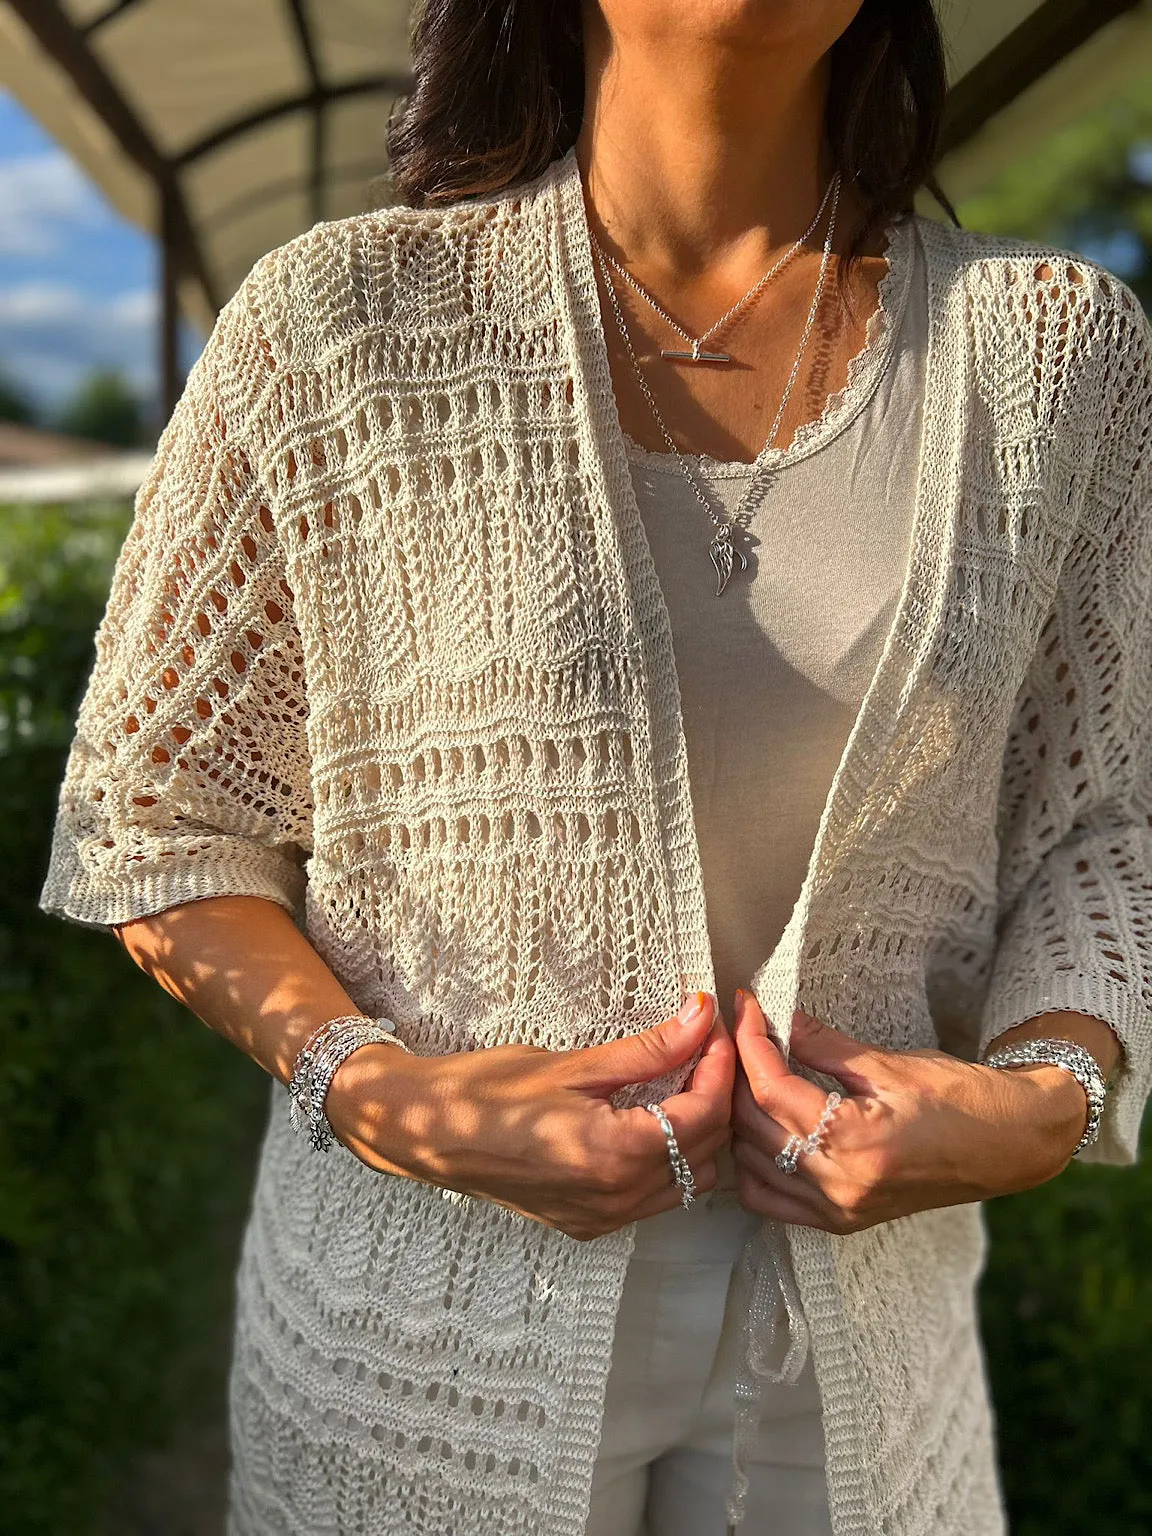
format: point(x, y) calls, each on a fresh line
point(722, 551)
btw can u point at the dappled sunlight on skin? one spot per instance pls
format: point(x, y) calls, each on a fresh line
point(530, 1129)
point(242, 966)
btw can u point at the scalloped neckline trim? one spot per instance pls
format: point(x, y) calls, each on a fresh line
point(865, 369)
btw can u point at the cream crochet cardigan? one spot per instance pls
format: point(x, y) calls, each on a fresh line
point(385, 643)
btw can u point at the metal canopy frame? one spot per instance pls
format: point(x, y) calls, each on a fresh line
point(1055, 29)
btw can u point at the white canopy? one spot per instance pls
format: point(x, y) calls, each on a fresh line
point(228, 126)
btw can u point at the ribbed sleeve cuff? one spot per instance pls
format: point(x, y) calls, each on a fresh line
point(233, 866)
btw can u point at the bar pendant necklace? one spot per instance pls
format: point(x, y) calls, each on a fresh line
point(696, 343)
point(722, 550)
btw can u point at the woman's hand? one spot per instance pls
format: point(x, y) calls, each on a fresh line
point(916, 1129)
point(534, 1130)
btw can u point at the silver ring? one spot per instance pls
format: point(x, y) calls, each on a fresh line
point(789, 1155)
point(681, 1172)
point(797, 1147)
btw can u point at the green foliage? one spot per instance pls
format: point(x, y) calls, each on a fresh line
point(105, 409)
point(126, 1127)
point(14, 403)
point(1088, 187)
point(1067, 1298)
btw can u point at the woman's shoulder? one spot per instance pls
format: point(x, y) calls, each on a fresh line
point(400, 271)
point(1045, 314)
point(1032, 274)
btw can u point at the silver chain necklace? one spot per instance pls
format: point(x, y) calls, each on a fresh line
point(696, 342)
point(721, 549)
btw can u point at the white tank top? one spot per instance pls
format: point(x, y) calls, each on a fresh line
point(772, 673)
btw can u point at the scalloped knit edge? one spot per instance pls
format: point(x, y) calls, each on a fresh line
point(865, 368)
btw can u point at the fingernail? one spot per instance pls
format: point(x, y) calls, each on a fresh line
point(693, 1007)
point(738, 1009)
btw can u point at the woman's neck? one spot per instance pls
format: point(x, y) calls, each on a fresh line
point(704, 154)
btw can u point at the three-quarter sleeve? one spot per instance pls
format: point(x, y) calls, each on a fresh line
point(188, 775)
point(1076, 802)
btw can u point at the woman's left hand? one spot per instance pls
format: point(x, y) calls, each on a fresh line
point(916, 1129)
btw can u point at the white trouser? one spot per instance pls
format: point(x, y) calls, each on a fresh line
point(665, 1458)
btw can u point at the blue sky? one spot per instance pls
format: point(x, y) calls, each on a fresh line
point(78, 285)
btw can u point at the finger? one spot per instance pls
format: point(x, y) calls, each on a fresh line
point(601, 1069)
point(792, 1100)
point(753, 1041)
point(715, 1073)
point(762, 1130)
point(701, 1112)
point(803, 1184)
point(798, 1188)
point(762, 1200)
point(666, 1196)
point(748, 1119)
point(704, 1177)
point(828, 1050)
point(699, 1128)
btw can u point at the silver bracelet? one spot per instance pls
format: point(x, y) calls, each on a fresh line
point(322, 1053)
point(1073, 1058)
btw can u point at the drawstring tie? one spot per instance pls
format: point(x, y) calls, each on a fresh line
point(768, 1294)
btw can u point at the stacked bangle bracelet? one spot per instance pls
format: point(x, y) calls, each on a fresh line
point(324, 1050)
point(1073, 1058)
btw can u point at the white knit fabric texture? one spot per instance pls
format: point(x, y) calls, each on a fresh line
point(385, 644)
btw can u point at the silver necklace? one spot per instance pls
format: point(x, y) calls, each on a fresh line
point(721, 549)
point(697, 342)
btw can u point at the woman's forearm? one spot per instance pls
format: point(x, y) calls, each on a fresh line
point(529, 1128)
point(241, 965)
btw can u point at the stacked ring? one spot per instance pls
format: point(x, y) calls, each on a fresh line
point(681, 1172)
point(800, 1146)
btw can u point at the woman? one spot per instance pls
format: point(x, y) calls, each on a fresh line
point(444, 576)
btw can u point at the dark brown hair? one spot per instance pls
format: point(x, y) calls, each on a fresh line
point(498, 93)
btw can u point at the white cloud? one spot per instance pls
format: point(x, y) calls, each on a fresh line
point(53, 334)
point(44, 199)
point(139, 309)
point(29, 305)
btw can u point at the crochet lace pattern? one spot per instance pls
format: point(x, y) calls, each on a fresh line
point(385, 644)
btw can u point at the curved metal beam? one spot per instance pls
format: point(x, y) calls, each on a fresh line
point(301, 23)
point(1055, 29)
point(285, 107)
point(108, 14)
point(62, 42)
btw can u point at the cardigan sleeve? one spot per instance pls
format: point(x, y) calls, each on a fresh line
point(188, 773)
point(1075, 926)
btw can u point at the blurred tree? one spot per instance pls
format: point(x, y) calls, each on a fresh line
point(1088, 188)
point(1066, 1300)
point(15, 404)
point(127, 1129)
point(105, 408)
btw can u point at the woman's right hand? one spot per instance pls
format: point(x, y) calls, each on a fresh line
point(534, 1130)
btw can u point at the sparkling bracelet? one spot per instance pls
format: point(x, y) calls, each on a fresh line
point(1073, 1058)
point(321, 1054)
